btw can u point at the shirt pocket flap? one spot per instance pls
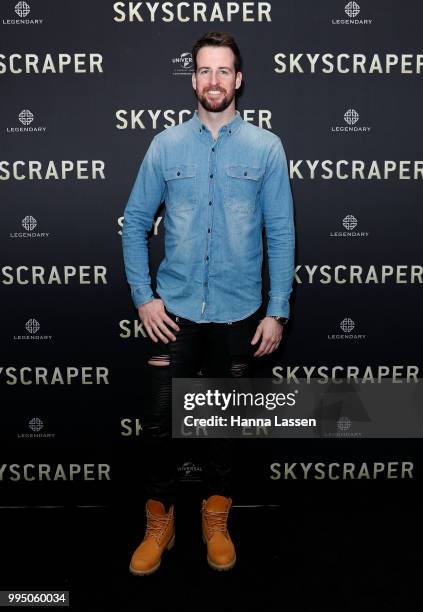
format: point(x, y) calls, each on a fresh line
point(244, 172)
point(179, 172)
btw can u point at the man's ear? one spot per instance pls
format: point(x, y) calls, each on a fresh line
point(238, 80)
point(194, 80)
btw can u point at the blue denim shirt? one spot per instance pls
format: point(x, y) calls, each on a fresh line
point(218, 196)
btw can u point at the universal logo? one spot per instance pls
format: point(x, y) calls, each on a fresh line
point(350, 223)
point(351, 118)
point(22, 10)
point(26, 118)
point(347, 326)
point(32, 326)
point(343, 426)
point(29, 223)
point(190, 472)
point(352, 10)
point(183, 65)
point(35, 425)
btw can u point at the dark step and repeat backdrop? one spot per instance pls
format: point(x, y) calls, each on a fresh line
point(84, 88)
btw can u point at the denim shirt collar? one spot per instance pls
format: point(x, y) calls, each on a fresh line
point(229, 128)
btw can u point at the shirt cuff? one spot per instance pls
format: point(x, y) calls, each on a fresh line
point(277, 308)
point(142, 295)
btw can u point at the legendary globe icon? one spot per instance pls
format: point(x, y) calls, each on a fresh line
point(349, 222)
point(343, 423)
point(347, 325)
point(22, 9)
point(351, 116)
point(352, 9)
point(26, 117)
point(29, 222)
point(32, 326)
point(36, 424)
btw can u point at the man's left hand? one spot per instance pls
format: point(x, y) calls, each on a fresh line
point(270, 332)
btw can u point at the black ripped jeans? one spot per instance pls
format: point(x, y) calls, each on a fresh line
point(219, 350)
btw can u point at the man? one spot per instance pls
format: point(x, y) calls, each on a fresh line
point(222, 179)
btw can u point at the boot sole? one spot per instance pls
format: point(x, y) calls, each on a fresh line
point(219, 568)
point(156, 567)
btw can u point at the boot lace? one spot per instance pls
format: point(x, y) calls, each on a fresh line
point(216, 521)
point(156, 525)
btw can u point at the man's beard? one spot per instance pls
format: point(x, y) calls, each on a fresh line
point(215, 108)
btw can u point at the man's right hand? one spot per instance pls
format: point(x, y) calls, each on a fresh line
point(156, 321)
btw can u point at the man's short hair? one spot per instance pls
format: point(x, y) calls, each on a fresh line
point(218, 39)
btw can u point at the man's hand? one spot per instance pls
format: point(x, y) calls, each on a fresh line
point(156, 321)
point(270, 332)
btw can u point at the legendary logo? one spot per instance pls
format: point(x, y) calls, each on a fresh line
point(32, 326)
point(35, 425)
point(347, 325)
point(22, 10)
point(29, 224)
point(352, 10)
point(351, 117)
point(26, 117)
point(350, 223)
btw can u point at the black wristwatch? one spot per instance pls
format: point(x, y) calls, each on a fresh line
point(281, 320)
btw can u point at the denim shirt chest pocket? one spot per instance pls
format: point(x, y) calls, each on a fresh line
point(242, 186)
point(181, 187)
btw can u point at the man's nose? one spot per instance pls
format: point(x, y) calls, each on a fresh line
point(214, 79)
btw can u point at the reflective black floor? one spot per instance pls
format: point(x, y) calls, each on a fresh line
point(296, 559)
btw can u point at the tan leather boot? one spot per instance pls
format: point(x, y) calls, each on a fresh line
point(159, 535)
point(220, 548)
